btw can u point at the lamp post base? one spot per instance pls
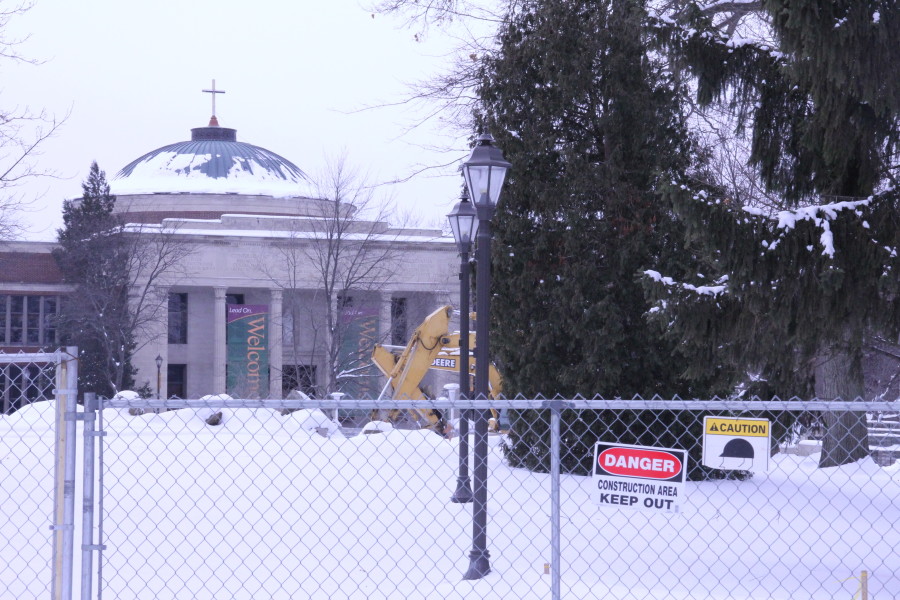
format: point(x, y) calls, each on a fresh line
point(479, 564)
point(463, 493)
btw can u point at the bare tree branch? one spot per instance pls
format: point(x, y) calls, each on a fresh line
point(733, 7)
point(347, 254)
point(22, 133)
point(440, 13)
point(8, 47)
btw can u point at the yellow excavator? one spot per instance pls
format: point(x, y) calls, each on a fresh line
point(431, 346)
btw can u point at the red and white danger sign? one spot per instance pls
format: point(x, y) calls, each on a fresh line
point(639, 477)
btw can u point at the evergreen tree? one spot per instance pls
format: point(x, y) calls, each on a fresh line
point(93, 256)
point(807, 286)
point(592, 122)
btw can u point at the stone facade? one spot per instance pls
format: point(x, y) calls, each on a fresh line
point(265, 261)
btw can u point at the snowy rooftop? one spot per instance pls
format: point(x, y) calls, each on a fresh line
point(212, 162)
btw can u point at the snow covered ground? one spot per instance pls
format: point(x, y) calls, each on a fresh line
point(264, 506)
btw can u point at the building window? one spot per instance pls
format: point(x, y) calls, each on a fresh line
point(398, 321)
point(299, 377)
point(21, 385)
point(176, 381)
point(28, 320)
point(291, 325)
point(4, 319)
point(16, 318)
point(49, 311)
point(178, 318)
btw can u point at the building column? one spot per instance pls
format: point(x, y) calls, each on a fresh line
point(219, 350)
point(276, 343)
point(384, 318)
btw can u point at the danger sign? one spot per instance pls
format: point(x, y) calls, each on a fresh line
point(640, 477)
point(733, 443)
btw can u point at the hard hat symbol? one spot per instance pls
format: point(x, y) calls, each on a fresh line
point(737, 448)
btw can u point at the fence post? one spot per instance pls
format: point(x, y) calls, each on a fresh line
point(337, 397)
point(64, 469)
point(59, 435)
point(87, 531)
point(100, 545)
point(555, 518)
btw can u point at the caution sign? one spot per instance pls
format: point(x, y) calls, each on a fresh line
point(638, 477)
point(736, 443)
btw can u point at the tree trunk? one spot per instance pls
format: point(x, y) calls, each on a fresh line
point(332, 342)
point(838, 377)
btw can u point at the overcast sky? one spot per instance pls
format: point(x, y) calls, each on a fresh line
point(295, 72)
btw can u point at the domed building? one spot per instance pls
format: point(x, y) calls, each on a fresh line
point(210, 175)
point(243, 308)
point(255, 238)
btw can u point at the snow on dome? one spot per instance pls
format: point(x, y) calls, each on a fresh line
point(213, 162)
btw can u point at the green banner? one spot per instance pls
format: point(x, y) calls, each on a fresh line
point(357, 374)
point(247, 330)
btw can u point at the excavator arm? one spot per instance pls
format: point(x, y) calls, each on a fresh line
point(406, 371)
point(430, 347)
point(448, 360)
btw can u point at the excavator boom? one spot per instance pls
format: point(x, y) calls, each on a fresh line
point(431, 346)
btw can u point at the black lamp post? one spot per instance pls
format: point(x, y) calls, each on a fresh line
point(464, 223)
point(484, 173)
point(159, 362)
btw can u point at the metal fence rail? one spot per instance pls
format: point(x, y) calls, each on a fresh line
point(34, 542)
point(277, 499)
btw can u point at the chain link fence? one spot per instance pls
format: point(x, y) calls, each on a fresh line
point(222, 498)
point(31, 464)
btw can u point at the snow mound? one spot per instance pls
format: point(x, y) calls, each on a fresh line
point(131, 397)
point(314, 421)
point(212, 416)
point(37, 416)
point(376, 427)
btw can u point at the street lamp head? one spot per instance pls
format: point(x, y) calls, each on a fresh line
point(159, 361)
point(485, 171)
point(464, 223)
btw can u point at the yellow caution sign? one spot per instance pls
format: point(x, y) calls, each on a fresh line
point(736, 427)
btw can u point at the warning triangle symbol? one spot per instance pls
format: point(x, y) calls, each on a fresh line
point(713, 427)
